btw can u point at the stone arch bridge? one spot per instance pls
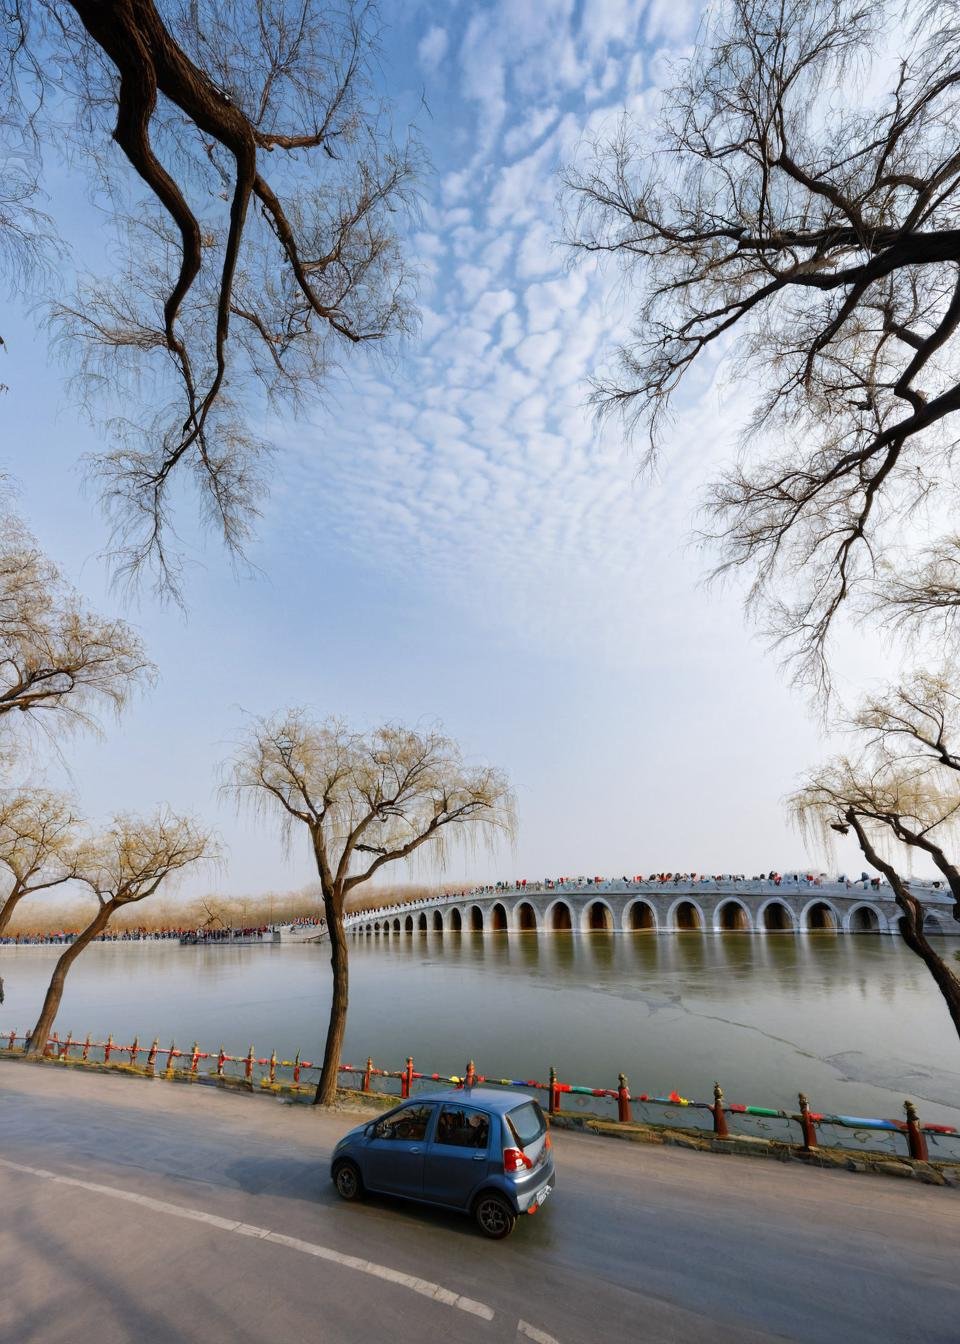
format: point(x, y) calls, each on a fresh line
point(628, 907)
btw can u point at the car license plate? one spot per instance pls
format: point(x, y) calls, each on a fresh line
point(542, 1194)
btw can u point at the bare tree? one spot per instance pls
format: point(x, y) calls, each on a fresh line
point(364, 800)
point(901, 797)
point(56, 657)
point(777, 208)
point(258, 215)
point(40, 846)
point(128, 864)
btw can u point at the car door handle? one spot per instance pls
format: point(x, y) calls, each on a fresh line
point(479, 1157)
point(413, 1150)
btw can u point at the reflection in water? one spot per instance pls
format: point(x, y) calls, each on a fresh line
point(854, 1022)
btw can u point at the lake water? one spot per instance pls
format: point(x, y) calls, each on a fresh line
point(855, 1022)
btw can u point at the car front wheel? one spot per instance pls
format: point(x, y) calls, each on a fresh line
point(494, 1216)
point(346, 1177)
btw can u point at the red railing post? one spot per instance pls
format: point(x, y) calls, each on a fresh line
point(86, 1048)
point(367, 1074)
point(171, 1053)
point(108, 1050)
point(194, 1057)
point(152, 1057)
point(806, 1124)
point(471, 1075)
point(406, 1078)
point(273, 1066)
point(554, 1105)
point(65, 1049)
point(248, 1066)
point(13, 1037)
point(296, 1068)
point(623, 1099)
point(134, 1049)
point(53, 1046)
point(221, 1060)
point(719, 1114)
point(916, 1139)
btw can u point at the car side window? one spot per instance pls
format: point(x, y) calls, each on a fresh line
point(408, 1123)
point(462, 1127)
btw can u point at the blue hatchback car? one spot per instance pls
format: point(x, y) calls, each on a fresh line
point(485, 1152)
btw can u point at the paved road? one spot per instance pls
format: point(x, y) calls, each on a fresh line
point(189, 1214)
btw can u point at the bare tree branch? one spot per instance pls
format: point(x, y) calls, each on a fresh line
point(266, 193)
point(821, 238)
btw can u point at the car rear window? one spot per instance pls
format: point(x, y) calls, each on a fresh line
point(527, 1123)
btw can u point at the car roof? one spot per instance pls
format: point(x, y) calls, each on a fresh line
point(488, 1098)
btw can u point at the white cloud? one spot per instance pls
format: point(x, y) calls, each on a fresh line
point(491, 307)
point(433, 47)
point(538, 254)
point(496, 476)
point(473, 280)
point(528, 129)
point(536, 352)
point(455, 186)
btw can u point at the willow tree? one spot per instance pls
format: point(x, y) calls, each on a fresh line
point(900, 798)
point(782, 218)
point(242, 152)
point(59, 661)
point(40, 845)
point(363, 800)
point(129, 863)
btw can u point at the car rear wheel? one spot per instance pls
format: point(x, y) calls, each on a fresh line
point(346, 1177)
point(494, 1216)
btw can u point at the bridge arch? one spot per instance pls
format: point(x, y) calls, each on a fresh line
point(396, 926)
point(819, 916)
point(525, 917)
point(558, 917)
point(775, 916)
point(422, 922)
point(438, 921)
point(731, 916)
point(456, 920)
point(685, 914)
point(935, 922)
point(597, 917)
point(498, 918)
point(476, 919)
point(640, 917)
point(408, 924)
point(865, 918)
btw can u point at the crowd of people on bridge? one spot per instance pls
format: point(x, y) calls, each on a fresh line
point(798, 880)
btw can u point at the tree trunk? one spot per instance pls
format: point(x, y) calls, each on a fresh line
point(337, 1025)
point(8, 907)
point(37, 1042)
point(911, 925)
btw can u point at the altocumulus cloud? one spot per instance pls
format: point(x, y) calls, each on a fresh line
point(472, 467)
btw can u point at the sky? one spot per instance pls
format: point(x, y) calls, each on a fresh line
point(450, 538)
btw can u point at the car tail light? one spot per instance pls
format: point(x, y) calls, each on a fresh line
point(548, 1142)
point(515, 1159)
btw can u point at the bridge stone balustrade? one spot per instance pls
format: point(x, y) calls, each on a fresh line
point(626, 907)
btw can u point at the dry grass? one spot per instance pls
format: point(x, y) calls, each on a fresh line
point(39, 916)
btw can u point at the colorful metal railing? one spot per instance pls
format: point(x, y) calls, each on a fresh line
point(803, 1128)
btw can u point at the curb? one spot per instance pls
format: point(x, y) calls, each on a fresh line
point(836, 1159)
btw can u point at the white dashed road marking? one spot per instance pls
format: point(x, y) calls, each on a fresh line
point(531, 1332)
point(415, 1285)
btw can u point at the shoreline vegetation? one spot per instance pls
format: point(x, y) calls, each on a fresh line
point(205, 912)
